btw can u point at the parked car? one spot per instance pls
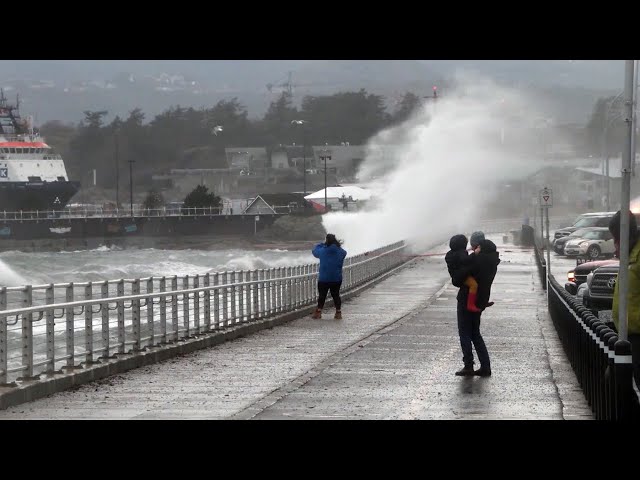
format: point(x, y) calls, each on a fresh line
point(559, 243)
point(598, 294)
point(592, 244)
point(578, 275)
point(599, 219)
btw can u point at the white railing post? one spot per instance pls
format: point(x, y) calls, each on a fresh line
point(150, 323)
point(254, 295)
point(185, 305)
point(51, 362)
point(269, 290)
point(174, 308)
point(216, 301)
point(70, 328)
point(196, 305)
point(88, 324)
point(207, 303)
point(3, 337)
point(163, 311)
point(27, 333)
point(234, 297)
point(105, 319)
point(242, 287)
point(121, 327)
point(135, 315)
point(225, 300)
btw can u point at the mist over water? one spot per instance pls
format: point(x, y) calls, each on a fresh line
point(21, 268)
point(433, 174)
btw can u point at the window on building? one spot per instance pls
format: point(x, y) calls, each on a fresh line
point(35, 179)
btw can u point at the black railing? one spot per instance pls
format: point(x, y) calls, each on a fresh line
point(600, 360)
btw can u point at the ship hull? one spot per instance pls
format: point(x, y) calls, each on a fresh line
point(30, 196)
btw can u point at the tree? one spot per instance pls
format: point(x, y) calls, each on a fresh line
point(200, 197)
point(407, 106)
point(154, 200)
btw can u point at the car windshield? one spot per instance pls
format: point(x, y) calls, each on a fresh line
point(578, 233)
point(592, 235)
point(587, 222)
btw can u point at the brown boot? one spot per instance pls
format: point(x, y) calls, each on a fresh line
point(317, 313)
point(338, 315)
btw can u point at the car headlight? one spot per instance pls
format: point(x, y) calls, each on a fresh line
point(571, 276)
point(589, 278)
point(584, 244)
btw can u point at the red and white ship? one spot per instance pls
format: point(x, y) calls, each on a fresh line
point(32, 177)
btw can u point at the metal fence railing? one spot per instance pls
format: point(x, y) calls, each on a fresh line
point(92, 212)
point(46, 328)
point(599, 359)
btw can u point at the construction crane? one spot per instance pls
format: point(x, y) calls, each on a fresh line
point(288, 85)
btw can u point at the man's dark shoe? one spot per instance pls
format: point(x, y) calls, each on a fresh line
point(467, 371)
point(483, 372)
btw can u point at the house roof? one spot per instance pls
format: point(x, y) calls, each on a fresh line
point(258, 201)
point(352, 191)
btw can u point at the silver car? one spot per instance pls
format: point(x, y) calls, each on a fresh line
point(593, 244)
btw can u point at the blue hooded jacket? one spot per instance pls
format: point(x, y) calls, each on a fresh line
point(331, 260)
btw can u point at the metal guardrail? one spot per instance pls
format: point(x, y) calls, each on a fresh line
point(599, 359)
point(46, 328)
point(71, 213)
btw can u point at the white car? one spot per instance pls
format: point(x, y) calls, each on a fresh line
point(593, 244)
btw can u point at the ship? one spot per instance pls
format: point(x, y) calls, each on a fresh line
point(32, 176)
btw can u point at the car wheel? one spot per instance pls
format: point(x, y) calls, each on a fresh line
point(593, 252)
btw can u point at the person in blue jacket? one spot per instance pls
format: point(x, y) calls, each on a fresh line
point(331, 255)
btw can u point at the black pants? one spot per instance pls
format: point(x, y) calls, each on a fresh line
point(323, 289)
point(469, 331)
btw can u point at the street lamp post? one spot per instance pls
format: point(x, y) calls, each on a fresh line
point(605, 149)
point(131, 162)
point(325, 156)
point(304, 153)
point(117, 169)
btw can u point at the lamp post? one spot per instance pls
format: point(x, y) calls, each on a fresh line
point(304, 153)
point(131, 162)
point(117, 167)
point(627, 155)
point(605, 147)
point(325, 156)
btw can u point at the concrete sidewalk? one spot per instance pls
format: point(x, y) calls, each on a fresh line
point(393, 356)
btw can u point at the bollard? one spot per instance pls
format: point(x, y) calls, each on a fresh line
point(608, 387)
point(624, 377)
